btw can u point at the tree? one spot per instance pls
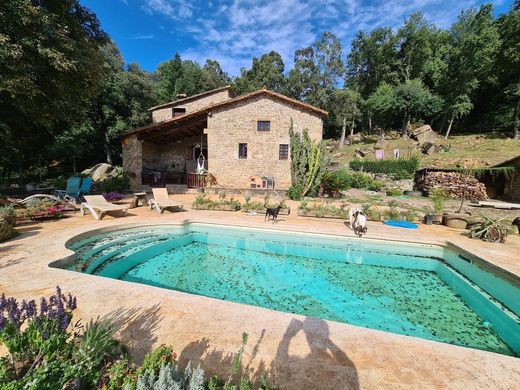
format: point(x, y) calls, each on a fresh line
point(413, 98)
point(214, 76)
point(474, 41)
point(266, 71)
point(372, 60)
point(345, 106)
point(191, 81)
point(415, 47)
point(507, 66)
point(125, 96)
point(380, 105)
point(167, 74)
point(460, 107)
point(317, 70)
point(50, 66)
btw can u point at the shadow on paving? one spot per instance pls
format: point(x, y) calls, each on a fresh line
point(325, 366)
point(136, 327)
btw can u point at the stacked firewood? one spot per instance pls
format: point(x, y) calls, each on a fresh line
point(454, 183)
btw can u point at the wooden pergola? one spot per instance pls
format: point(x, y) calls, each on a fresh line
point(172, 130)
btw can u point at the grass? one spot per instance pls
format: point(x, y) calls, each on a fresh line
point(480, 149)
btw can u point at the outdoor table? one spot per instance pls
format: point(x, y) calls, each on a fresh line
point(135, 200)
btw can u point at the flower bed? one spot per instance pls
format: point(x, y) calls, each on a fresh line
point(42, 210)
point(202, 202)
point(260, 207)
point(323, 210)
point(113, 196)
point(47, 350)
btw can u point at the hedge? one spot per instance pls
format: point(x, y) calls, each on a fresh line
point(398, 169)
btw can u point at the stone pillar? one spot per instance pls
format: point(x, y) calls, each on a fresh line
point(133, 159)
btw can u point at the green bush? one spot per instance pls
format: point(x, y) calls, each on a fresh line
point(202, 202)
point(118, 183)
point(398, 169)
point(295, 192)
point(438, 197)
point(343, 180)
point(394, 191)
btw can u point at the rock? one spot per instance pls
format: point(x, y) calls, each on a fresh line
point(382, 144)
point(430, 148)
point(355, 138)
point(424, 134)
point(337, 155)
point(100, 172)
point(360, 153)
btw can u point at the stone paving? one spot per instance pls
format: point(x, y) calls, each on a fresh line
point(298, 352)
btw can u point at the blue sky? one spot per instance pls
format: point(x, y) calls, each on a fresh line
point(233, 32)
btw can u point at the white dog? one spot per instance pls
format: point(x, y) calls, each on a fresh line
point(358, 221)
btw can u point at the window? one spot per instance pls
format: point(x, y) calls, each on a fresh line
point(263, 125)
point(283, 152)
point(242, 151)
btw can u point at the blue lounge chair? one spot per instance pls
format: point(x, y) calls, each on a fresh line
point(72, 190)
point(86, 186)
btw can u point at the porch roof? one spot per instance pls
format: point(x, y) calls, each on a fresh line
point(174, 129)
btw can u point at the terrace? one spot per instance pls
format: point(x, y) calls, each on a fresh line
point(287, 346)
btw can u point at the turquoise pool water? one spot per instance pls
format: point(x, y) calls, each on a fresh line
point(415, 290)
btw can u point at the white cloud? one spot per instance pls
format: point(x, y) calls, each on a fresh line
point(142, 36)
point(234, 31)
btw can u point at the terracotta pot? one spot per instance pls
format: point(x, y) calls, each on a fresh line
point(456, 220)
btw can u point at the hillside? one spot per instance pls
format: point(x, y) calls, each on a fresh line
point(479, 150)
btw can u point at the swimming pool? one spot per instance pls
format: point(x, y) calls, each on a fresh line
point(424, 291)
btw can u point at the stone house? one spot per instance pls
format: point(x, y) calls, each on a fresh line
point(243, 142)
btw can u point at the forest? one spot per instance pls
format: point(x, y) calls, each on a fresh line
point(66, 92)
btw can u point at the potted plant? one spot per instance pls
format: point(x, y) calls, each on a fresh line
point(459, 220)
point(113, 196)
point(438, 197)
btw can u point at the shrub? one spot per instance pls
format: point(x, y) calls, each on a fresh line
point(394, 191)
point(321, 209)
point(8, 213)
point(397, 168)
point(438, 197)
point(202, 202)
point(43, 209)
point(119, 182)
point(6, 230)
point(113, 196)
point(295, 192)
point(343, 179)
point(58, 182)
point(492, 230)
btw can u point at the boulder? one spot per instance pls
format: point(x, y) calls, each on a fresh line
point(382, 144)
point(361, 152)
point(424, 134)
point(100, 172)
point(355, 138)
point(430, 148)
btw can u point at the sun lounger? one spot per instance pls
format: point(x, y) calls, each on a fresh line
point(161, 200)
point(99, 206)
point(23, 202)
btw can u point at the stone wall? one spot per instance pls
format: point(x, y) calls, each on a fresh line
point(512, 186)
point(237, 123)
point(166, 113)
point(138, 155)
point(171, 156)
point(133, 158)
